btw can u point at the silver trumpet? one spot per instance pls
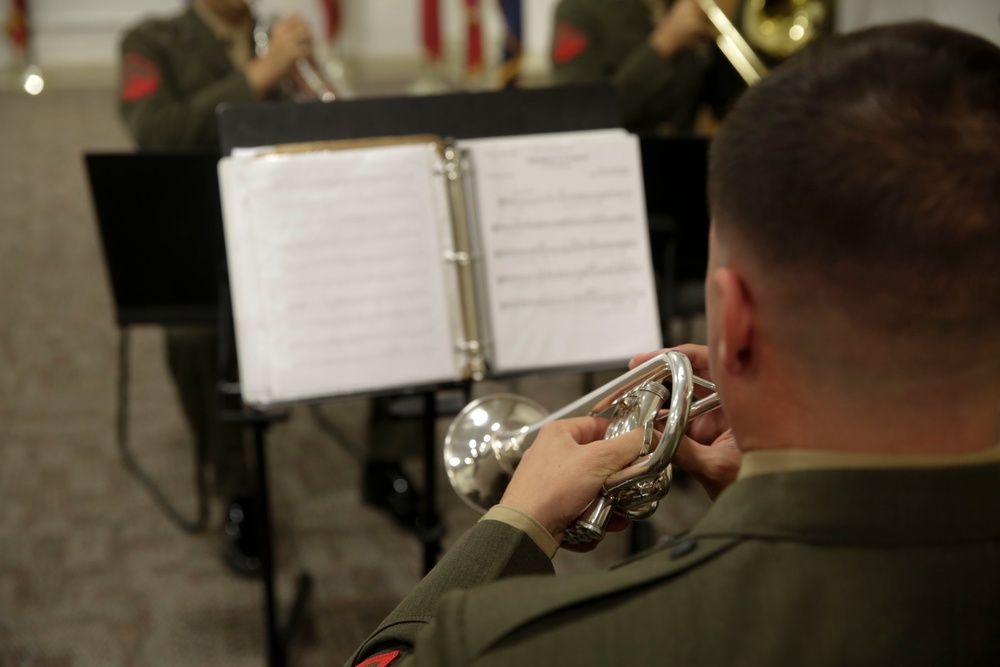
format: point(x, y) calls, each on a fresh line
point(486, 441)
point(312, 83)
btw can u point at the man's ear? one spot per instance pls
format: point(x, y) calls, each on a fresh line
point(736, 319)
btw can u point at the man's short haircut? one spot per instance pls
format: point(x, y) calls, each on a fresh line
point(865, 171)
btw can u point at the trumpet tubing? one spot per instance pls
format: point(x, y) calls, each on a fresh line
point(486, 441)
point(311, 82)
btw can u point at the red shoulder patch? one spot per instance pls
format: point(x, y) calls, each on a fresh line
point(569, 42)
point(140, 77)
point(380, 660)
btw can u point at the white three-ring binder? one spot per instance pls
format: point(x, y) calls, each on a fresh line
point(366, 266)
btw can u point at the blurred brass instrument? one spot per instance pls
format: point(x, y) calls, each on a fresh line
point(311, 84)
point(486, 441)
point(777, 28)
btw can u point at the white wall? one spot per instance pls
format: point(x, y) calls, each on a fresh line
point(977, 16)
point(81, 32)
point(85, 33)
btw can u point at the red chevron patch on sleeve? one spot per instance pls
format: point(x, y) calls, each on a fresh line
point(140, 77)
point(380, 660)
point(569, 42)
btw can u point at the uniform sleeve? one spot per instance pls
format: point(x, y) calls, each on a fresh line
point(489, 551)
point(155, 114)
point(643, 78)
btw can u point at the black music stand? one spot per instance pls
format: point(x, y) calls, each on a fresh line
point(459, 116)
point(160, 224)
point(674, 174)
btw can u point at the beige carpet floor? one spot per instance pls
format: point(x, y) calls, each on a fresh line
point(91, 572)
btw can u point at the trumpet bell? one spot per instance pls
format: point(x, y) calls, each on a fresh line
point(487, 440)
point(483, 444)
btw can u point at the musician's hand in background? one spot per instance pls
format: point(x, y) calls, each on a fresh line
point(709, 450)
point(563, 471)
point(289, 41)
point(684, 26)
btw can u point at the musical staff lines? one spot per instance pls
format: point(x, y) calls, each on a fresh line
point(346, 253)
point(565, 247)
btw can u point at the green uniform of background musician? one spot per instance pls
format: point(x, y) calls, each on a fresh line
point(812, 567)
point(608, 40)
point(175, 73)
point(197, 75)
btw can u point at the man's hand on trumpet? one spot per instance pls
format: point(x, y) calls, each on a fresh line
point(563, 471)
point(708, 450)
point(289, 41)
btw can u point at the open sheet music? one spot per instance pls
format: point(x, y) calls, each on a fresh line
point(362, 268)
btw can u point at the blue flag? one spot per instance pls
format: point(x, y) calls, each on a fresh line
point(510, 68)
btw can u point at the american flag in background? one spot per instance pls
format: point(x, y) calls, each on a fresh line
point(17, 25)
point(510, 65)
point(474, 41)
point(334, 18)
point(431, 20)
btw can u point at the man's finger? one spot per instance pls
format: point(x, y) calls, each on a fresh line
point(620, 450)
point(583, 429)
point(690, 455)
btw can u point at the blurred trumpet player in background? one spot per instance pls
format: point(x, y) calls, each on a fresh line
point(659, 54)
point(175, 72)
point(854, 341)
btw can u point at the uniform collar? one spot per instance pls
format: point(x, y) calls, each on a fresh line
point(771, 461)
point(866, 506)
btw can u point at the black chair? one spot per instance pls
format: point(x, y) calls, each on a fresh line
point(165, 256)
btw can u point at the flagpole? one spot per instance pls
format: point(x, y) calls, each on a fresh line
point(431, 78)
point(30, 77)
point(510, 69)
point(336, 70)
point(473, 44)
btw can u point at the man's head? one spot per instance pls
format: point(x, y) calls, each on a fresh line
point(855, 198)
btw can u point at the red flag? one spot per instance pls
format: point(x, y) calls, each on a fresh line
point(17, 25)
point(474, 46)
point(432, 30)
point(334, 19)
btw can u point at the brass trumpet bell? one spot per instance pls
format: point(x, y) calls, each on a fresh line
point(487, 439)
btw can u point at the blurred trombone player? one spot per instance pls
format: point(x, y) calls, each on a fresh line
point(659, 54)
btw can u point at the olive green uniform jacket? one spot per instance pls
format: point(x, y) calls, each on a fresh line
point(175, 73)
point(607, 40)
point(195, 77)
point(863, 567)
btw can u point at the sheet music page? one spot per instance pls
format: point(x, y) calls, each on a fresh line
point(337, 273)
point(565, 247)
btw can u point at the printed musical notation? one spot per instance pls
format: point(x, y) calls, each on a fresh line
point(346, 280)
point(348, 287)
point(565, 247)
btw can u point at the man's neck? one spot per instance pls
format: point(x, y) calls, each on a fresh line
point(887, 425)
